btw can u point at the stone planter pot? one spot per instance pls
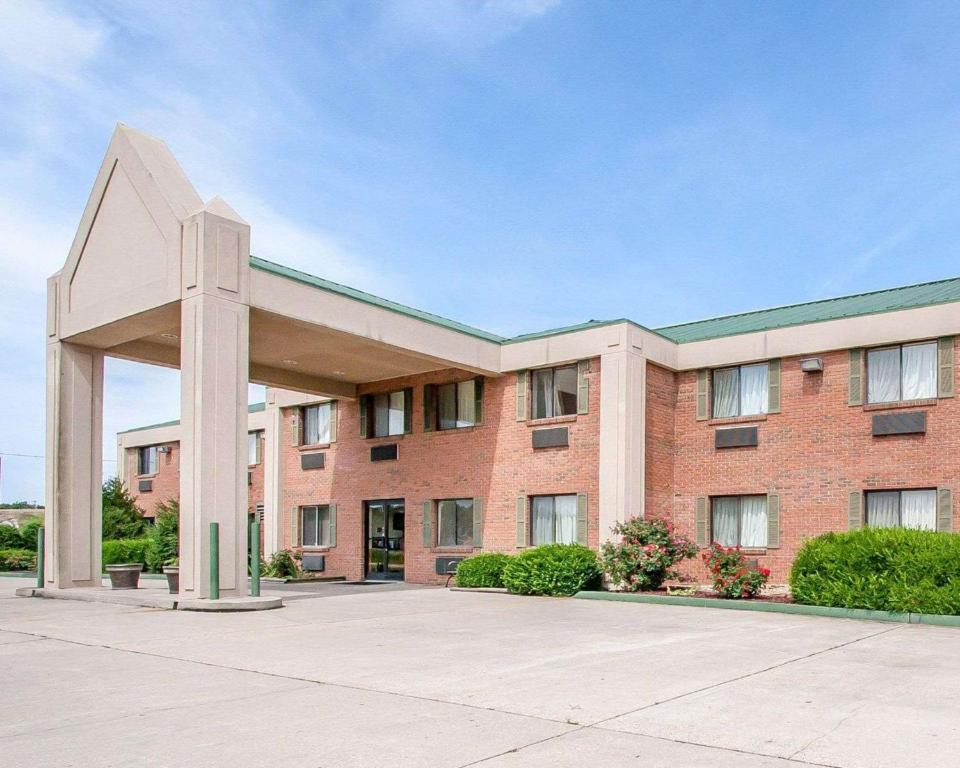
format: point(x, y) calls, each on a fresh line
point(172, 573)
point(124, 575)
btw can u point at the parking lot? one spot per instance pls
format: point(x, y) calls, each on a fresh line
point(429, 677)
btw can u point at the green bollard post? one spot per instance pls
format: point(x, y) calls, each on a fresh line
point(214, 561)
point(255, 559)
point(40, 552)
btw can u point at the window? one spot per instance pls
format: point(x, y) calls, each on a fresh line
point(907, 372)
point(902, 509)
point(315, 526)
point(740, 391)
point(455, 523)
point(386, 414)
point(316, 424)
point(553, 519)
point(740, 521)
point(253, 447)
point(147, 463)
point(554, 392)
point(454, 405)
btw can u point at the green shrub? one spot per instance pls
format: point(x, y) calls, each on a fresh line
point(118, 551)
point(731, 576)
point(10, 538)
point(163, 538)
point(28, 531)
point(484, 570)
point(553, 569)
point(645, 555)
point(282, 565)
point(122, 518)
point(18, 560)
point(886, 569)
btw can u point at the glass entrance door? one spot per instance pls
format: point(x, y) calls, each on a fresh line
point(385, 539)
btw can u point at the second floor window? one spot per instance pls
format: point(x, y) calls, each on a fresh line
point(902, 509)
point(740, 521)
point(386, 414)
point(740, 391)
point(452, 406)
point(253, 448)
point(147, 463)
point(907, 372)
point(316, 424)
point(554, 392)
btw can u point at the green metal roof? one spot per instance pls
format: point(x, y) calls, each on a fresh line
point(874, 302)
point(252, 408)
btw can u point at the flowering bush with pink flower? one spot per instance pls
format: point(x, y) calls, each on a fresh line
point(731, 576)
point(646, 554)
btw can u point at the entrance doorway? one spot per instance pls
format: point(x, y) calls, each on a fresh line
point(384, 534)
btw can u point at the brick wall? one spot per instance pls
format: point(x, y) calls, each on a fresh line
point(813, 453)
point(493, 461)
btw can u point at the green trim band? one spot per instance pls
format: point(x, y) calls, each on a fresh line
point(765, 607)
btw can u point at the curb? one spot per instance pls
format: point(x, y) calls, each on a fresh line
point(764, 607)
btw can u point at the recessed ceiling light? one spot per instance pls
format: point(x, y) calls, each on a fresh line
point(338, 373)
point(170, 336)
point(290, 362)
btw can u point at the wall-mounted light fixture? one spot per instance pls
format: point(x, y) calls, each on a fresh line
point(811, 364)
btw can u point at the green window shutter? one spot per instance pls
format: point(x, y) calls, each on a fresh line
point(945, 367)
point(478, 400)
point(522, 385)
point(429, 407)
point(427, 524)
point(773, 521)
point(702, 525)
point(944, 510)
point(583, 387)
point(773, 386)
point(364, 405)
point(855, 394)
point(855, 511)
point(294, 527)
point(478, 523)
point(408, 410)
point(703, 411)
point(582, 526)
point(521, 521)
point(333, 524)
point(333, 421)
point(295, 421)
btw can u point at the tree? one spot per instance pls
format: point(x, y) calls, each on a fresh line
point(122, 518)
point(163, 544)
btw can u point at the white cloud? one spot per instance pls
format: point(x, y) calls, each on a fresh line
point(42, 41)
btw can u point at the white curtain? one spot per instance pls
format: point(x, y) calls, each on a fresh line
point(464, 522)
point(447, 523)
point(753, 522)
point(396, 413)
point(753, 389)
point(447, 397)
point(918, 509)
point(323, 423)
point(726, 387)
point(883, 509)
point(725, 521)
point(883, 375)
point(542, 530)
point(542, 394)
point(253, 445)
point(466, 403)
point(919, 371)
point(566, 512)
point(308, 529)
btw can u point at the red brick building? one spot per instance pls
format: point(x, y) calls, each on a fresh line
point(759, 430)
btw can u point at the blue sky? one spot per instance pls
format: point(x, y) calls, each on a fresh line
point(516, 165)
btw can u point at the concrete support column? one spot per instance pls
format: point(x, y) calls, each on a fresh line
point(272, 474)
point(622, 438)
point(214, 372)
point(74, 450)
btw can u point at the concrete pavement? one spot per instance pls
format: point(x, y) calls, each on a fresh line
point(437, 678)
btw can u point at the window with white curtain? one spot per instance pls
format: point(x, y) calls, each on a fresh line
point(388, 414)
point(455, 523)
point(147, 460)
point(455, 404)
point(553, 519)
point(739, 521)
point(907, 372)
point(740, 391)
point(253, 448)
point(316, 424)
point(554, 392)
point(315, 526)
point(903, 509)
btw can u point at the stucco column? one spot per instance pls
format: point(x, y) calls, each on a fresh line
point(214, 372)
point(74, 450)
point(272, 474)
point(622, 439)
